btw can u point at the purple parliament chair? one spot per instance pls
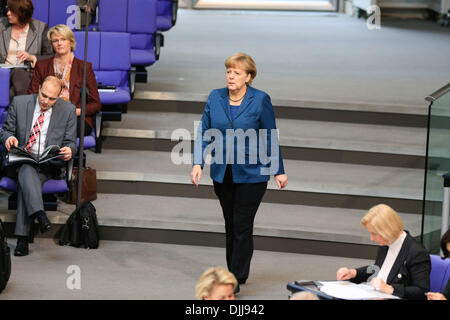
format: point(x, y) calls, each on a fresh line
point(166, 14)
point(49, 189)
point(440, 273)
point(41, 8)
point(55, 12)
point(4, 94)
point(58, 12)
point(112, 15)
point(109, 53)
point(145, 42)
point(137, 17)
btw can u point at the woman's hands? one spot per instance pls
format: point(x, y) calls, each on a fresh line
point(25, 56)
point(379, 285)
point(345, 274)
point(281, 180)
point(196, 174)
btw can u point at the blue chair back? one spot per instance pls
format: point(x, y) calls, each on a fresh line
point(137, 17)
point(142, 16)
point(440, 273)
point(93, 54)
point(58, 12)
point(112, 15)
point(4, 87)
point(4, 94)
point(41, 10)
point(109, 53)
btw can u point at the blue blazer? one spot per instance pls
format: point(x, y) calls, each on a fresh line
point(249, 141)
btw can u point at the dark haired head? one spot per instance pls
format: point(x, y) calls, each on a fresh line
point(23, 9)
point(445, 239)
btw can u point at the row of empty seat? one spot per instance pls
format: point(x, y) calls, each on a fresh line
point(143, 19)
point(118, 60)
point(124, 39)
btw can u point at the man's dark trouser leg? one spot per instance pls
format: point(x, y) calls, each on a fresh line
point(29, 197)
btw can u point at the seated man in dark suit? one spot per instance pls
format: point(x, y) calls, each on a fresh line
point(35, 122)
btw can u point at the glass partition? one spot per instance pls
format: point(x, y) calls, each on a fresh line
point(437, 164)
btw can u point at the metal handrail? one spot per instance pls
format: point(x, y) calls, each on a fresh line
point(438, 93)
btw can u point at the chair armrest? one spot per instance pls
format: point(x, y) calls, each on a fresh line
point(69, 169)
point(158, 43)
point(98, 124)
point(174, 11)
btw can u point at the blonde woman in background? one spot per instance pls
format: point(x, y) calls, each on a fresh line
point(216, 283)
point(69, 69)
point(404, 265)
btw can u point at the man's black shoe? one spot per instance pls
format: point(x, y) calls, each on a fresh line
point(21, 247)
point(44, 223)
point(237, 289)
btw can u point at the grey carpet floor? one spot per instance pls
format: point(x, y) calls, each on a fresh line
point(151, 271)
point(306, 56)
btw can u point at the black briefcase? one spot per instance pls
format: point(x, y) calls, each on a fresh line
point(5, 259)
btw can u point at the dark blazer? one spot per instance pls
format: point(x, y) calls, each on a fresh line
point(254, 113)
point(62, 127)
point(446, 291)
point(410, 274)
point(44, 68)
point(37, 43)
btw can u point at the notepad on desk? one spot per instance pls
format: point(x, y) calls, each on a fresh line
point(352, 291)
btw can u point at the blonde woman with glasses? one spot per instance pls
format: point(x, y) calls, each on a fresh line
point(69, 70)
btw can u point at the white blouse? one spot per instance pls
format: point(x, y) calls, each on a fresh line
point(393, 251)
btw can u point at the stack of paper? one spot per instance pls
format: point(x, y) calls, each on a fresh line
point(352, 291)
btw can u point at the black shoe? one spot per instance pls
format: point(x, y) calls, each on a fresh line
point(242, 281)
point(237, 289)
point(44, 223)
point(21, 247)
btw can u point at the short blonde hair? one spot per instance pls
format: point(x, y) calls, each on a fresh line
point(211, 277)
point(244, 62)
point(385, 221)
point(65, 31)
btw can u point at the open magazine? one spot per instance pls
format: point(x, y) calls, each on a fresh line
point(17, 155)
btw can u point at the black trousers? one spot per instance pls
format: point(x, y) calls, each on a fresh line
point(87, 128)
point(239, 202)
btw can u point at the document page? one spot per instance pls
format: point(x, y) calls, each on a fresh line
point(352, 291)
point(11, 66)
